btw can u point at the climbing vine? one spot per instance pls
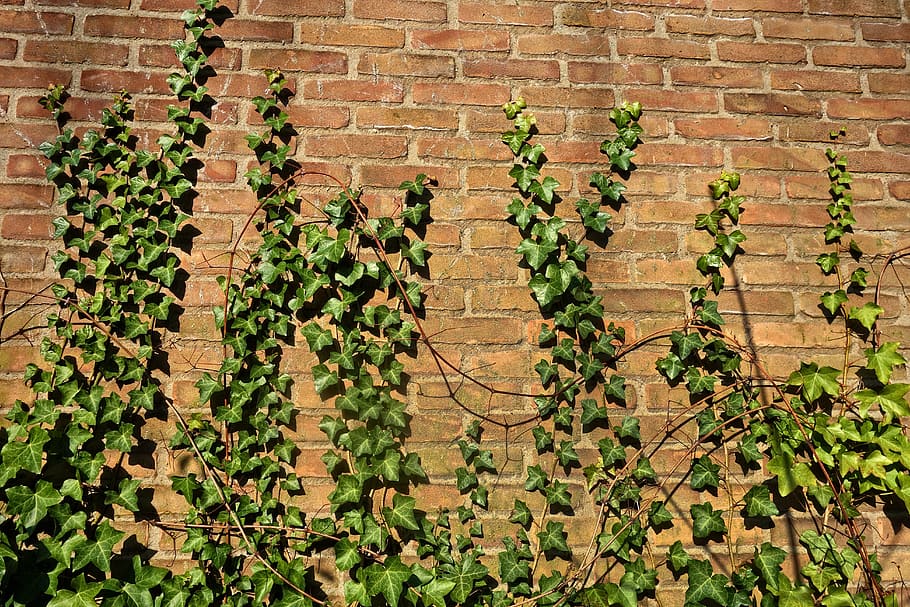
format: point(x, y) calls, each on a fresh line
point(344, 281)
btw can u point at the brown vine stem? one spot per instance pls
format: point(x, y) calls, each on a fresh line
point(892, 257)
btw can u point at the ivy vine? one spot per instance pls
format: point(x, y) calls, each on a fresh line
point(348, 284)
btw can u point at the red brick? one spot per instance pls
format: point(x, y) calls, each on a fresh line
point(263, 31)
point(727, 77)
point(71, 51)
point(724, 128)
point(872, 109)
point(217, 170)
point(297, 8)
point(225, 112)
point(662, 47)
point(773, 6)
point(292, 60)
point(615, 73)
point(574, 151)
point(8, 48)
point(365, 146)
point(857, 56)
point(867, 161)
point(886, 32)
point(894, 134)
point(608, 18)
point(709, 26)
point(505, 14)
point(806, 80)
point(853, 8)
point(544, 96)
point(757, 52)
point(808, 28)
point(93, 3)
point(114, 26)
point(497, 178)
point(686, 101)
point(406, 118)
point(485, 121)
point(402, 10)
point(816, 186)
point(672, 154)
point(821, 131)
point(338, 34)
point(25, 196)
point(32, 77)
point(753, 185)
point(787, 159)
point(23, 135)
point(570, 44)
point(668, 3)
point(889, 83)
point(460, 94)
point(177, 6)
point(162, 55)
point(27, 227)
point(461, 40)
point(124, 80)
point(900, 189)
point(25, 165)
point(772, 103)
point(35, 22)
point(512, 69)
point(354, 90)
point(406, 64)
point(386, 175)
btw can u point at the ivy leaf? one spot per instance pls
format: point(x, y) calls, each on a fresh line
point(709, 314)
point(686, 343)
point(629, 429)
point(523, 214)
point(544, 189)
point(890, 399)
point(27, 454)
point(767, 561)
point(833, 301)
point(84, 597)
point(512, 567)
point(815, 381)
point(553, 538)
point(98, 552)
point(883, 360)
point(524, 176)
point(466, 573)
point(658, 514)
point(705, 473)
point(758, 502)
point(401, 514)
point(670, 366)
point(706, 521)
point(705, 587)
point(866, 315)
point(536, 253)
point(387, 578)
point(31, 506)
point(677, 558)
point(323, 379)
point(521, 514)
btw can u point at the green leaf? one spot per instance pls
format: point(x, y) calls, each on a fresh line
point(536, 253)
point(465, 574)
point(84, 597)
point(544, 189)
point(767, 561)
point(31, 506)
point(677, 558)
point(706, 521)
point(401, 514)
point(521, 514)
point(815, 381)
point(832, 302)
point(346, 554)
point(890, 399)
point(705, 473)
point(512, 567)
point(883, 360)
point(866, 315)
point(26, 454)
point(98, 551)
point(387, 578)
point(686, 343)
point(553, 538)
point(524, 176)
point(705, 587)
point(758, 502)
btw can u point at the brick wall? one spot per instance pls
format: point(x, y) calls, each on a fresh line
point(388, 89)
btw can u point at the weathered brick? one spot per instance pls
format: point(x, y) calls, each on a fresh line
point(889, 83)
point(460, 94)
point(33, 77)
point(260, 31)
point(69, 51)
point(872, 161)
point(484, 121)
point(291, 60)
point(406, 118)
point(27, 227)
point(403, 10)
point(857, 56)
point(25, 196)
point(662, 47)
point(298, 8)
point(872, 8)
point(808, 28)
point(726, 77)
point(724, 128)
point(25, 165)
point(567, 97)
point(758, 52)
point(872, 109)
point(886, 32)
point(590, 72)
point(386, 175)
point(366, 146)
point(682, 101)
point(162, 55)
point(709, 26)
point(463, 148)
point(338, 34)
point(821, 131)
point(406, 64)
point(900, 189)
point(774, 6)
point(786, 159)
point(814, 80)
point(609, 18)
point(461, 40)
point(35, 22)
point(520, 69)
point(817, 187)
point(772, 103)
point(117, 26)
point(679, 155)
point(354, 90)
point(570, 44)
point(894, 134)
point(502, 15)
